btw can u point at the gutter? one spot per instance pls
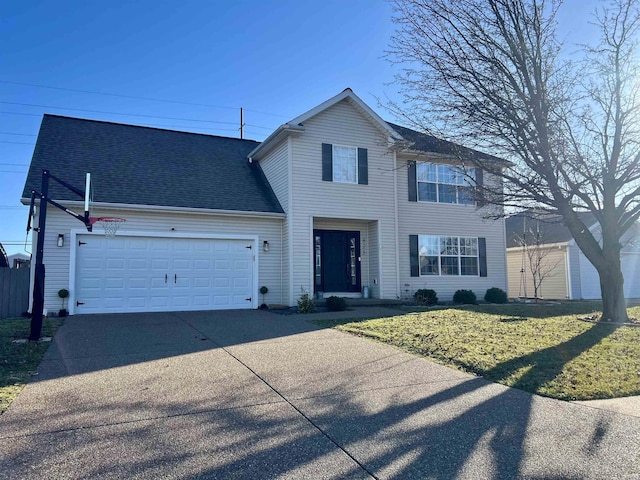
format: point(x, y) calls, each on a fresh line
point(542, 246)
point(166, 209)
point(278, 134)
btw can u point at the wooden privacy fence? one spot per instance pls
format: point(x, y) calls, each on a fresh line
point(14, 292)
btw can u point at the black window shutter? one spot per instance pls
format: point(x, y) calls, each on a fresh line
point(363, 166)
point(413, 184)
point(482, 256)
point(327, 162)
point(480, 200)
point(413, 254)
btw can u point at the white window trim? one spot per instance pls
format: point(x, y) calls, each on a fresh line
point(333, 166)
point(459, 256)
point(438, 183)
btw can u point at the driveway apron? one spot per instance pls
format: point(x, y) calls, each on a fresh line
point(253, 394)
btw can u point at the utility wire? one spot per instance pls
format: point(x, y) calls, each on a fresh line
point(134, 115)
point(139, 98)
point(23, 134)
point(114, 113)
point(21, 113)
point(17, 143)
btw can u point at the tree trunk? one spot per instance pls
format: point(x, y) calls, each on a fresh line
point(614, 308)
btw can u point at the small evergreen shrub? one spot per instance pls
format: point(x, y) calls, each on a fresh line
point(496, 295)
point(306, 303)
point(464, 296)
point(425, 296)
point(336, 304)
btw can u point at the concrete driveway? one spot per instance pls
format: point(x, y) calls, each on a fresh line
point(259, 395)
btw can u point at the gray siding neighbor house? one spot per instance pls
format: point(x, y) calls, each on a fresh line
point(334, 200)
point(569, 275)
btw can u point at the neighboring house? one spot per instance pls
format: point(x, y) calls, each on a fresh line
point(572, 276)
point(332, 201)
point(4, 261)
point(19, 260)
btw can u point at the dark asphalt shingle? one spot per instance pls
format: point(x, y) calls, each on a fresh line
point(147, 166)
point(428, 143)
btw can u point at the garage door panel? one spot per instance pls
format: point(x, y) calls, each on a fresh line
point(139, 274)
point(115, 264)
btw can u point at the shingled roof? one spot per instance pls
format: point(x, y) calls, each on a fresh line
point(552, 227)
point(148, 166)
point(428, 143)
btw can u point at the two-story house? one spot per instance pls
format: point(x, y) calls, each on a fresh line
point(334, 200)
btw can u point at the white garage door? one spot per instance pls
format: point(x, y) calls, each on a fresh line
point(149, 274)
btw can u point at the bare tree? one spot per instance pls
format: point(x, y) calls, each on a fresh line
point(539, 262)
point(492, 74)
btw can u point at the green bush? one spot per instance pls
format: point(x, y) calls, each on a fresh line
point(336, 304)
point(496, 295)
point(306, 303)
point(464, 296)
point(425, 296)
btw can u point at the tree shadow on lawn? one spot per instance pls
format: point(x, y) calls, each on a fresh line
point(518, 310)
point(546, 364)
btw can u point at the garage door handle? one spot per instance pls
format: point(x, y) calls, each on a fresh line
point(79, 303)
point(165, 278)
point(175, 278)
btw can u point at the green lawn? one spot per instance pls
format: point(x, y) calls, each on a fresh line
point(542, 349)
point(18, 361)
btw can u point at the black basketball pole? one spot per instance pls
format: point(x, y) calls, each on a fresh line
point(38, 284)
point(37, 309)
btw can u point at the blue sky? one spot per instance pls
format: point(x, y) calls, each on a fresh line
point(276, 59)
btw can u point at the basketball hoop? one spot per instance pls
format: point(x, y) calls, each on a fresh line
point(110, 225)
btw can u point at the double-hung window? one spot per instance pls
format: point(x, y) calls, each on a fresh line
point(448, 255)
point(345, 164)
point(342, 164)
point(444, 183)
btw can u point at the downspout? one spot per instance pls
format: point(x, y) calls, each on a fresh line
point(567, 259)
point(395, 216)
point(282, 261)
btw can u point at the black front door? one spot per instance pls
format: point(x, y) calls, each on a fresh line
point(337, 261)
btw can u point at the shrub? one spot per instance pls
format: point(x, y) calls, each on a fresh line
point(496, 295)
point(425, 296)
point(306, 303)
point(336, 304)
point(464, 296)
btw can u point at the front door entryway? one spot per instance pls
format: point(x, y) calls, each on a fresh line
point(336, 261)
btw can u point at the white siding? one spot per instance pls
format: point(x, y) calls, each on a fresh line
point(275, 166)
point(341, 124)
point(574, 271)
point(428, 218)
point(629, 261)
point(554, 285)
point(57, 259)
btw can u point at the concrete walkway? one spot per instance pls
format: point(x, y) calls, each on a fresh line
point(259, 395)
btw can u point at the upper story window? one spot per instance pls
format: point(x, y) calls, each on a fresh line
point(444, 184)
point(345, 164)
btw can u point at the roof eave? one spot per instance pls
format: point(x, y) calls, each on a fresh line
point(348, 93)
point(279, 134)
point(165, 208)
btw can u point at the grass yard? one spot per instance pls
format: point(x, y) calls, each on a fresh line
point(18, 361)
point(540, 348)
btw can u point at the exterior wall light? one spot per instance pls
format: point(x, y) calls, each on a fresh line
point(61, 239)
point(265, 246)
